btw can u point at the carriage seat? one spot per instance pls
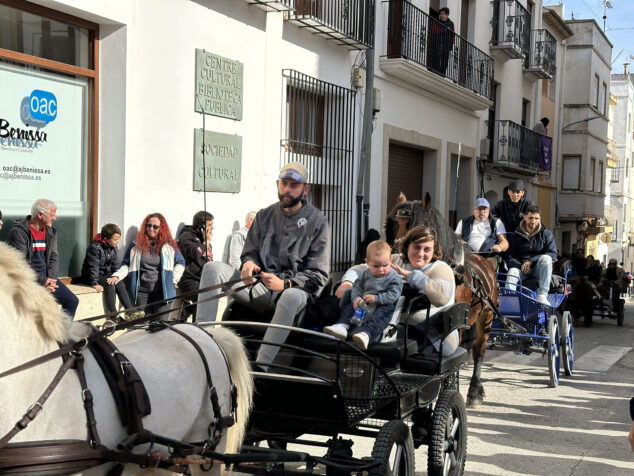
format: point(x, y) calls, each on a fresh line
point(429, 361)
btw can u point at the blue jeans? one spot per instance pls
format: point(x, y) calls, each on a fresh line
point(542, 270)
point(66, 298)
point(373, 325)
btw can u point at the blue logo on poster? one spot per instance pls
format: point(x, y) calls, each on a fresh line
point(43, 106)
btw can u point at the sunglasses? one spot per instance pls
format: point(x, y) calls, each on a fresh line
point(149, 225)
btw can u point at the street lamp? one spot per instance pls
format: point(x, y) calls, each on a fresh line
point(587, 119)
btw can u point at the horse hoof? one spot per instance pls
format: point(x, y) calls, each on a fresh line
point(474, 402)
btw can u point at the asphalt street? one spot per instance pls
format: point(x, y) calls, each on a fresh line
point(526, 427)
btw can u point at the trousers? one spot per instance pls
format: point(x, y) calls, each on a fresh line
point(542, 271)
point(287, 305)
point(66, 299)
point(373, 324)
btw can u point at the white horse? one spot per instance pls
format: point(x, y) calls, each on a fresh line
point(32, 324)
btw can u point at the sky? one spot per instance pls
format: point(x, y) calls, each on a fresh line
point(619, 24)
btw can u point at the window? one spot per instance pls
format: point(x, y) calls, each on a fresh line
point(318, 131)
point(526, 111)
point(601, 178)
point(570, 174)
point(614, 175)
point(604, 98)
point(596, 91)
point(593, 165)
point(49, 57)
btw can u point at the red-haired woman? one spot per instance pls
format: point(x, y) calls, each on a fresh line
point(153, 265)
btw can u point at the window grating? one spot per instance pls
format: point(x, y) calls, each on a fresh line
point(318, 132)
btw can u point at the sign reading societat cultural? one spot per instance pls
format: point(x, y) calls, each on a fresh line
point(219, 86)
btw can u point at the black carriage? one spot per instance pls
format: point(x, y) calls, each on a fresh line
point(607, 303)
point(320, 390)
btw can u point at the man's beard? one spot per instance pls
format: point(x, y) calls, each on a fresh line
point(289, 202)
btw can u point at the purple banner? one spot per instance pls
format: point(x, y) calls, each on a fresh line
point(546, 154)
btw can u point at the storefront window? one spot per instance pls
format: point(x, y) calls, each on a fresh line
point(35, 35)
point(47, 122)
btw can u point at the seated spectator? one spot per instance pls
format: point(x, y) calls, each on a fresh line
point(511, 209)
point(531, 253)
point(378, 287)
point(194, 243)
point(154, 265)
point(36, 238)
point(99, 264)
point(238, 238)
point(421, 266)
point(480, 231)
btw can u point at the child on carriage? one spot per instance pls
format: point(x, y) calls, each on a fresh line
point(379, 287)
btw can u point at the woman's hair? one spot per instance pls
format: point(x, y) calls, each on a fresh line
point(164, 236)
point(109, 230)
point(421, 234)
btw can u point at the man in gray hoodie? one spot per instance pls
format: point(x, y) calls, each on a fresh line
point(289, 246)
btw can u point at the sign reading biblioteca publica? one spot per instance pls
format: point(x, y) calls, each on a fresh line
point(219, 85)
point(222, 166)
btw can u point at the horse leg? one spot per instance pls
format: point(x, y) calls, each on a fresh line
point(475, 395)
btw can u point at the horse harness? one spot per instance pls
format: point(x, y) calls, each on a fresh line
point(68, 456)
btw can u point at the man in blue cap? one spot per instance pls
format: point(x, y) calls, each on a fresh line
point(480, 231)
point(289, 246)
point(512, 209)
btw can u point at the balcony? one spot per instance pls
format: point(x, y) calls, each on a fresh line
point(510, 30)
point(515, 147)
point(541, 60)
point(423, 52)
point(347, 22)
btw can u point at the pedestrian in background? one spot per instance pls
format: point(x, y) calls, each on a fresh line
point(238, 238)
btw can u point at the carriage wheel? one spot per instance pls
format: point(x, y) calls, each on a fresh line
point(620, 312)
point(448, 448)
point(394, 448)
point(567, 342)
point(553, 350)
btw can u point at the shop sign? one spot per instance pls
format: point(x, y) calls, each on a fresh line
point(221, 168)
point(219, 87)
point(42, 137)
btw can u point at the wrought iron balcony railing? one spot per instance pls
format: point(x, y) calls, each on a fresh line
point(414, 35)
point(541, 59)
point(348, 22)
point(510, 28)
point(516, 145)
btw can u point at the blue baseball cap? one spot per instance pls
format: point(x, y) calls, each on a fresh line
point(481, 202)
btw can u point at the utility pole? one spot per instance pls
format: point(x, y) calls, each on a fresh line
point(363, 178)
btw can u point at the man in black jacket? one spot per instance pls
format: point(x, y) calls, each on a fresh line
point(531, 253)
point(512, 209)
point(195, 245)
point(36, 238)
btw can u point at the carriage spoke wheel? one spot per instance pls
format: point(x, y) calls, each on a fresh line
point(394, 448)
point(554, 357)
point(567, 342)
point(448, 448)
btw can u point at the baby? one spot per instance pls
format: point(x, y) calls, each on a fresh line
point(379, 286)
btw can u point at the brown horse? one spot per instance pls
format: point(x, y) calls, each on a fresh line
point(475, 279)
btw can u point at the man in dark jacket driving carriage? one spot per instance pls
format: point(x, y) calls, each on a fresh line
point(511, 209)
point(289, 246)
point(531, 253)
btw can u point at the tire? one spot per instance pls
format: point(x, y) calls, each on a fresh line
point(567, 342)
point(394, 448)
point(554, 357)
point(447, 453)
point(620, 312)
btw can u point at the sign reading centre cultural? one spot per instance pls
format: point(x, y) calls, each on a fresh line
point(218, 85)
point(223, 162)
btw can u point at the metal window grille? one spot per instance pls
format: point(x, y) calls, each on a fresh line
point(516, 145)
point(614, 175)
point(318, 132)
point(510, 25)
point(543, 52)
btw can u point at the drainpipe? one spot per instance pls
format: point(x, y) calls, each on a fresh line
point(363, 179)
